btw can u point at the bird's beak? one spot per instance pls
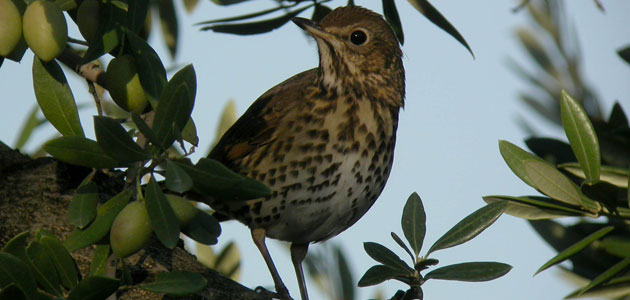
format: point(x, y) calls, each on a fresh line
point(311, 28)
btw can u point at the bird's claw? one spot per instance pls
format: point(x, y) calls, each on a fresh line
point(282, 293)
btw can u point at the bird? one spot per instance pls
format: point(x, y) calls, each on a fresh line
point(322, 141)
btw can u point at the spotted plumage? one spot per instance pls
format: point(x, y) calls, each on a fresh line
point(323, 140)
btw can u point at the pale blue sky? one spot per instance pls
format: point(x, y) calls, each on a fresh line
point(456, 111)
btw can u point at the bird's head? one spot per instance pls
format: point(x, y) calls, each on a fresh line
point(357, 47)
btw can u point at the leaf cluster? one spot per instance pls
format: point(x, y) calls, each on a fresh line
point(141, 146)
point(241, 26)
point(47, 271)
point(588, 177)
point(413, 223)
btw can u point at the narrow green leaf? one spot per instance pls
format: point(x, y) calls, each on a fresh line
point(66, 5)
point(170, 28)
point(470, 226)
point(203, 228)
point(109, 32)
point(605, 291)
point(536, 50)
point(66, 268)
point(319, 12)
point(244, 17)
point(471, 271)
point(176, 104)
point(189, 133)
point(575, 248)
point(377, 274)
point(612, 271)
point(581, 135)
point(23, 280)
point(45, 276)
point(151, 71)
point(548, 180)
point(391, 15)
point(258, 27)
point(177, 180)
point(82, 209)
point(116, 142)
point(617, 117)
point(400, 243)
point(425, 8)
point(105, 216)
point(413, 222)
point(94, 288)
point(554, 151)
point(80, 151)
point(112, 39)
point(346, 280)
point(190, 5)
point(227, 2)
point(43, 268)
point(514, 156)
point(535, 207)
point(226, 263)
point(176, 283)
point(17, 245)
point(385, 256)
point(210, 177)
point(162, 217)
point(137, 14)
point(122, 5)
point(616, 245)
point(55, 98)
point(11, 291)
point(39, 234)
point(613, 175)
point(99, 260)
point(624, 53)
point(31, 122)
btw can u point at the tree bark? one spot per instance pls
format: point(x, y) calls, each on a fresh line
point(35, 195)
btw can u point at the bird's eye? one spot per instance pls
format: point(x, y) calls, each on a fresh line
point(358, 37)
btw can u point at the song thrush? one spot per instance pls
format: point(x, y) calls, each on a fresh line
point(323, 140)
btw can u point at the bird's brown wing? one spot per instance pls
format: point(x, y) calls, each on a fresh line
point(256, 126)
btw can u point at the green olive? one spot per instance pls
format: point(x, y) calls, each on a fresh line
point(184, 210)
point(123, 84)
point(131, 230)
point(45, 29)
point(10, 27)
point(87, 19)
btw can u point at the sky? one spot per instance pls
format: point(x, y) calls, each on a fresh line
point(456, 110)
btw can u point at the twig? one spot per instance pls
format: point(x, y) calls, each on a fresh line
point(78, 42)
point(520, 6)
point(97, 99)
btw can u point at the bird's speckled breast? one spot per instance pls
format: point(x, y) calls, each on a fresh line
point(330, 161)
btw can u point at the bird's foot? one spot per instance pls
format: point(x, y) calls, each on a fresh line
point(282, 293)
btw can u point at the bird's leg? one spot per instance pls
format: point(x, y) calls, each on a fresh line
point(298, 253)
point(258, 234)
